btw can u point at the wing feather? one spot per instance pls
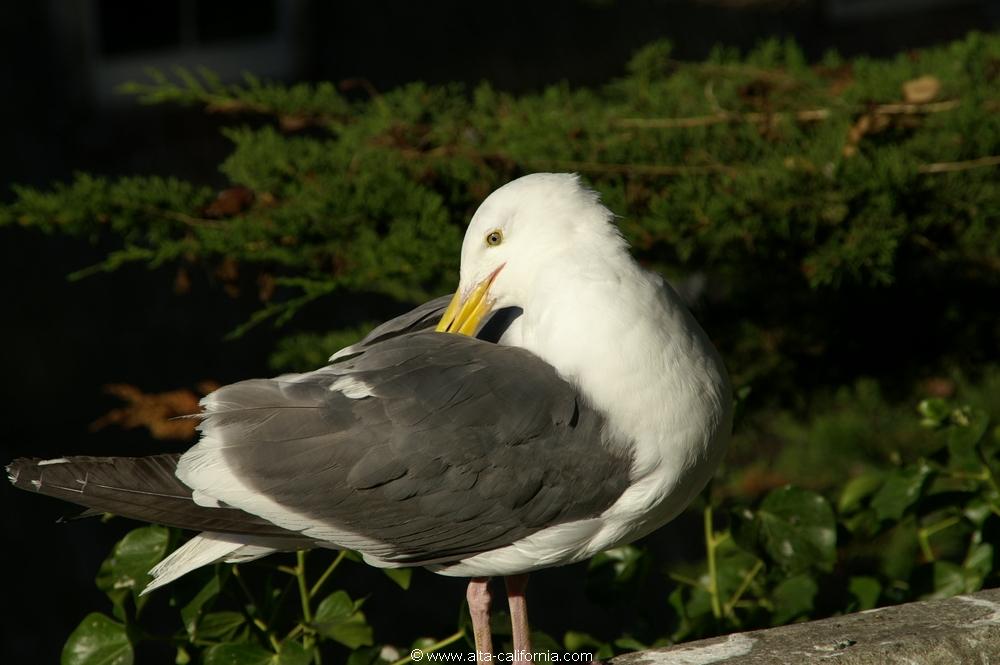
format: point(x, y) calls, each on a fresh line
point(452, 446)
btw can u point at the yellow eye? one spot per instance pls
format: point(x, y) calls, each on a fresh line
point(494, 238)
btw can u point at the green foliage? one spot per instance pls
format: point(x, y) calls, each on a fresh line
point(98, 640)
point(921, 530)
point(769, 174)
point(124, 573)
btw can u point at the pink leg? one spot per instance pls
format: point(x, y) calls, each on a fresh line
point(478, 595)
point(516, 584)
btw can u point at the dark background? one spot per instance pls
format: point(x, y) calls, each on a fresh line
point(63, 341)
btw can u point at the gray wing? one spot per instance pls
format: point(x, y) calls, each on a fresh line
point(425, 317)
point(423, 447)
point(422, 317)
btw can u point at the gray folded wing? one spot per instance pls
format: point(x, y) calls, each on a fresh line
point(422, 447)
point(421, 317)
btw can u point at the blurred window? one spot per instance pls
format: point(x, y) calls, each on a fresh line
point(124, 38)
point(127, 26)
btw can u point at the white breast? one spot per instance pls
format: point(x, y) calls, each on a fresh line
point(644, 362)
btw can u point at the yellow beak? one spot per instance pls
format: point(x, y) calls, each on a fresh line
point(464, 316)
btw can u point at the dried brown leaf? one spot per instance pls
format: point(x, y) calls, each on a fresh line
point(229, 202)
point(158, 412)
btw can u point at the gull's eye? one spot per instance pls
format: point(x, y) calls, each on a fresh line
point(494, 238)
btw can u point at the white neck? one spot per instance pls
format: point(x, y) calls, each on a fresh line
point(637, 355)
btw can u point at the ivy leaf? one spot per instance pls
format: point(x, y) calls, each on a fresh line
point(98, 640)
point(866, 591)
point(797, 529)
point(968, 428)
point(220, 625)
point(900, 550)
point(542, 642)
point(629, 643)
point(863, 524)
point(126, 568)
point(793, 598)
point(676, 600)
point(977, 511)
point(857, 489)
point(979, 561)
point(339, 618)
point(577, 642)
point(400, 576)
point(933, 411)
point(371, 655)
point(733, 565)
point(900, 491)
point(237, 653)
point(192, 611)
point(293, 653)
point(949, 580)
point(614, 574)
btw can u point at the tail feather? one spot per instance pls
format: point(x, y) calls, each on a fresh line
point(207, 548)
point(142, 488)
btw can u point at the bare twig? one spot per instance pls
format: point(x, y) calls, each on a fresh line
point(805, 115)
point(628, 169)
point(951, 167)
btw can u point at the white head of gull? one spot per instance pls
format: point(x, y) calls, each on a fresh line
point(593, 417)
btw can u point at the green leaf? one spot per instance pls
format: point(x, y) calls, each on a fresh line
point(934, 412)
point(969, 426)
point(628, 643)
point(220, 625)
point(400, 576)
point(793, 598)
point(582, 642)
point(900, 491)
point(977, 511)
point(576, 641)
point(127, 566)
point(614, 575)
point(622, 561)
point(192, 611)
point(979, 561)
point(370, 655)
point(677, 602)
point(541, 641)
point(339, 618)
point(237, 653)
point(863, 524)
point(866, 591)
point(949, 579)
point(900, 550)
point(857, 489)
point(797, 529)
point(98, 640)
point(293, 653)
point(733, 565)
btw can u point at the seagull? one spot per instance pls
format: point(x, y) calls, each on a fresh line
point(562, 402)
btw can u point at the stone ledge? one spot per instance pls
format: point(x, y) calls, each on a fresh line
point(963, 629)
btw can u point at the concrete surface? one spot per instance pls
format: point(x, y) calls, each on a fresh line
point(963, 629)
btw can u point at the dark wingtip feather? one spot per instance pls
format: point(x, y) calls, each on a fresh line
point(22, 471)
point(142, 488)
